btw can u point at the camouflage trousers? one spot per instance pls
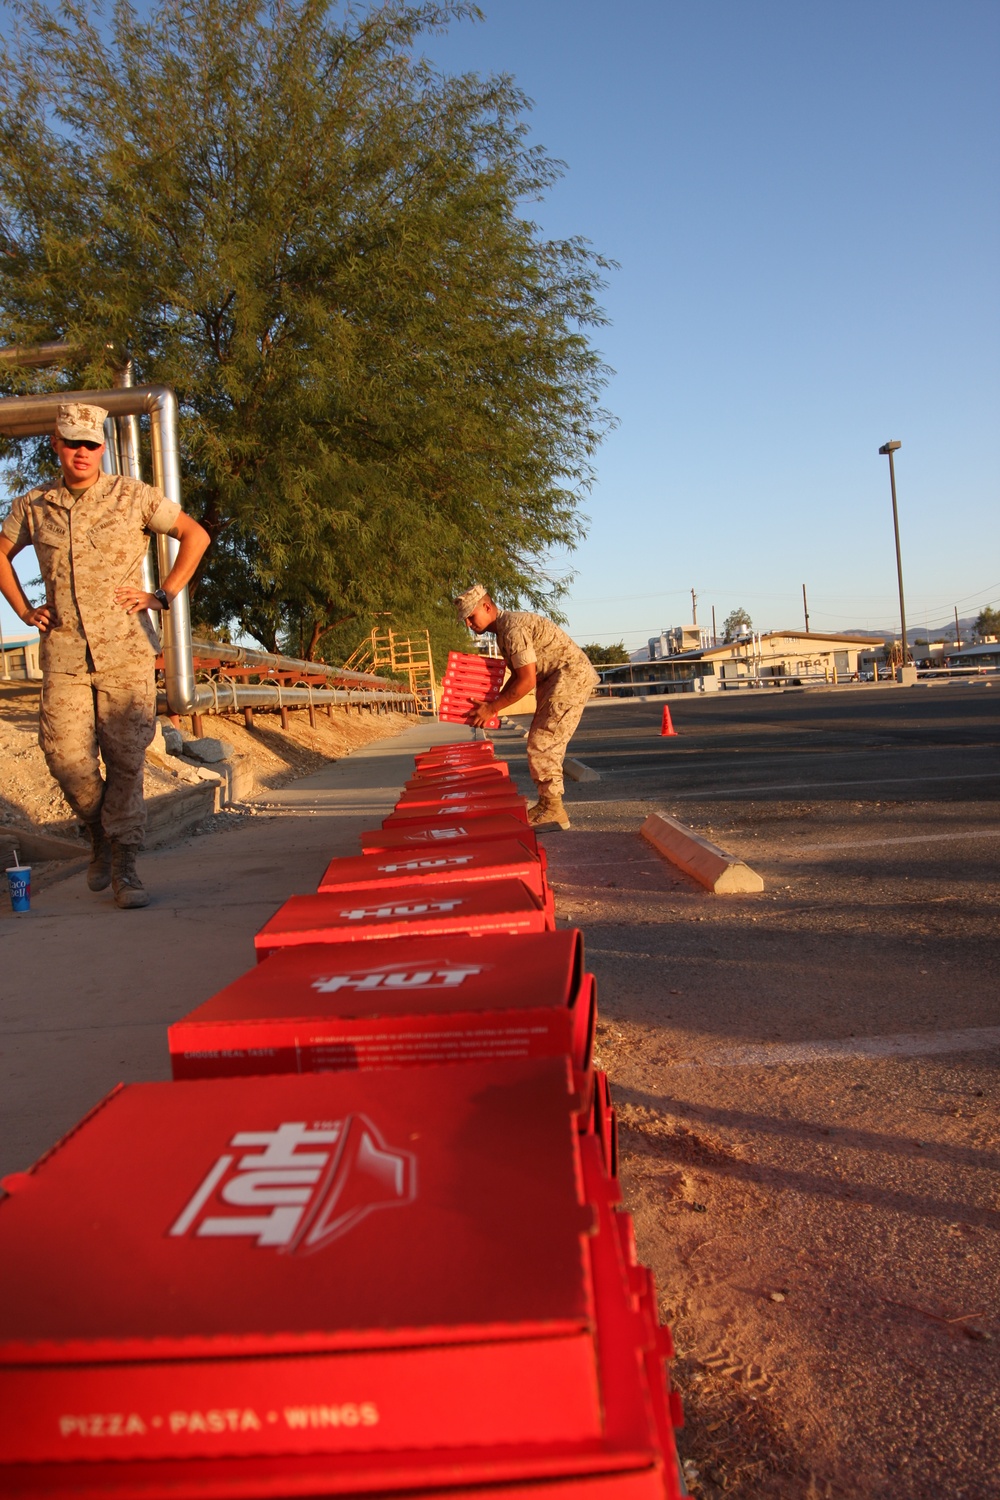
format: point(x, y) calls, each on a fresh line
point(560, 705)
point(113, 713)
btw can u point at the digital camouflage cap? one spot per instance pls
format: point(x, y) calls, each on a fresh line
point(78, 423)
point(466, 603)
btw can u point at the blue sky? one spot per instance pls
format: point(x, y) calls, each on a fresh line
point(803, 201)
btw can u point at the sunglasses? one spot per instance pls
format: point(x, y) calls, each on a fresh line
point(81, 443)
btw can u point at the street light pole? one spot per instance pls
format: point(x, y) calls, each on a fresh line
point(889, 449)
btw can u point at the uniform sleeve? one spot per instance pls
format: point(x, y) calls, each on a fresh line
point(15, 523)
point(520, 648)
point(158, 513)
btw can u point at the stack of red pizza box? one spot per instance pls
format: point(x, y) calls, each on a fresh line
point(468, 679)
point(370, 1240)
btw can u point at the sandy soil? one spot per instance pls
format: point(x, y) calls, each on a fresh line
point(29, 798)
point(823, 1233)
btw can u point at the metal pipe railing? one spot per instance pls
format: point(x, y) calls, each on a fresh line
point(32, 416)
point(248, 656)
point(223, 697)
point(37, 356)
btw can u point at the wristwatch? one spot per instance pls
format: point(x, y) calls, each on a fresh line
point(164, 601)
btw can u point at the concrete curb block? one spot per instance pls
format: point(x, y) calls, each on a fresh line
point(171, 815)
point(720, 872)
point(577, 771)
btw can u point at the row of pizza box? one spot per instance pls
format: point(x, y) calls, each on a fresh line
point(507, 1335)
point(469, 679)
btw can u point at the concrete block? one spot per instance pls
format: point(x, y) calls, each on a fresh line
point(208, 751)
point(576, 770)
point(36, 846)
point(171, 816)
point(715, 869)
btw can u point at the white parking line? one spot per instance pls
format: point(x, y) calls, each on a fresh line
point(909, 838)
point(850, 1049)
point(791, 786)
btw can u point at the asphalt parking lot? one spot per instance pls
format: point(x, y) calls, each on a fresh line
point(808, 1078)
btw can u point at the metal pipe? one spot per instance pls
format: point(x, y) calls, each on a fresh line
point(130, 463)
point(247, 656)
point(111, 462)
point(37, 356)
point(223, 697)
point(31, 416)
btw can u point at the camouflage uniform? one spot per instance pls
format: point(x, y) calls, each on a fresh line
point(98, 690)
point(565, 680)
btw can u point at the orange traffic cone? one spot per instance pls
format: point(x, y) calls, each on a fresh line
point(667, 727)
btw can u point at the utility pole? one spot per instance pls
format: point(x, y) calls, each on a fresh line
point(715, 638)
point(958, 633)
point(889, 449)
point(805, 607)
point(694, 608)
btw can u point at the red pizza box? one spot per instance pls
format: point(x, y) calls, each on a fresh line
point(470, 810)
point(604, 1124)
point(400, 911)
point(404, 1251)
point(455, 761)
point(633, 1318)
point(490, 773)
point(491, 860)
point(458, 750)
point(492, 667)
point(440, 795)
point(461, 714)
point(405, 1002)
point(440, 1477)
point(448, 831)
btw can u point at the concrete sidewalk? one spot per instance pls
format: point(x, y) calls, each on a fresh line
point(87, 991)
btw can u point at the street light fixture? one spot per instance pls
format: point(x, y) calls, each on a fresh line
point(889, 449)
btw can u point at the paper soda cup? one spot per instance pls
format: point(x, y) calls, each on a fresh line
point(19, 885)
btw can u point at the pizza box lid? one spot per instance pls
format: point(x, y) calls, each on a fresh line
point(490, 860)
point(402, 911)
point(163, 1226)
point(458, 752)
point(405, 975)
point(439, 794)
point(449, 832)
point(489, 773)
point(447, 814)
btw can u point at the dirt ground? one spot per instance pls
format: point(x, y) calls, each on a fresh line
point(29, 798)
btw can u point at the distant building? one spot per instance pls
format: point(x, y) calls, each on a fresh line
point(681, 638)
point(985, 654)
point(19, 659)
point(776, 657)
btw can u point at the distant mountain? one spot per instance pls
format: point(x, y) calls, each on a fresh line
point(966, 625)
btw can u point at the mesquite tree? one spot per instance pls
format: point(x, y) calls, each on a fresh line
point(385, 373)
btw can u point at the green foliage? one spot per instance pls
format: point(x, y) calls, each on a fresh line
point(607, 656)
point(736, 623)
point(384, 371)
point(988, 622)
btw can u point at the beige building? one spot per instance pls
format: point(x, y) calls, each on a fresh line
point(771, 659)
point(19, 659)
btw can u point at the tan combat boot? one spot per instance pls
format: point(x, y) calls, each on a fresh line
point(128, 888)
point(99, 869)
point(548, 810)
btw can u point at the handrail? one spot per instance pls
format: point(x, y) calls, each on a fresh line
point(248, 656)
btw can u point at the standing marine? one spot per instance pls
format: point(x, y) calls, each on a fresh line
point(97, 649)
point(541, 657)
